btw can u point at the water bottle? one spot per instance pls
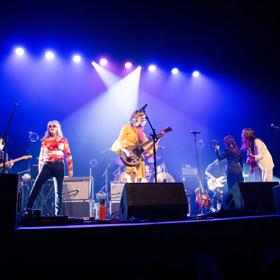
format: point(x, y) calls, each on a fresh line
point(103, 213)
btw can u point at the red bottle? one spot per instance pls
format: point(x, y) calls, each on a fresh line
point(103, 210)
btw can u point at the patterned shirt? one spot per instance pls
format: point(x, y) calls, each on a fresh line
point(55, 149)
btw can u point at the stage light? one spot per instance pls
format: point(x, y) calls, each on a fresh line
point(49, 55)
point(77, 58)
point(195, 74)
point(19, 51)
point(175, 71)
point(152, 68)
point(103, 61)
point(128, 65)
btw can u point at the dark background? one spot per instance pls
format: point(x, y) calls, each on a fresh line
point(236, 43)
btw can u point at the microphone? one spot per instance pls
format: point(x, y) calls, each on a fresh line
point(194, 132)
point(143, 108)
point(275, 126)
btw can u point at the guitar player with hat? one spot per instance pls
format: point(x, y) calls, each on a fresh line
point(131, 136)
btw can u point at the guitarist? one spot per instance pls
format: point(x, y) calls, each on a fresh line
point(7, 166)
point(214, 171)
point(258, 156)
point(232, 154)
point(132, 135)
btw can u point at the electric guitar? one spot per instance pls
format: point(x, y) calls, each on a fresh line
point(133, 157)
point(15, 160)
point(214, 183)
point(251, 161)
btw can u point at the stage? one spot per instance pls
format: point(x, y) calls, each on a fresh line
point(206, 248)
point(230, 245)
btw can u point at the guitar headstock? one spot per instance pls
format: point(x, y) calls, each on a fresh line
point(165, 130)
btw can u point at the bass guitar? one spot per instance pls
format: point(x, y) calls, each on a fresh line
point(15, 160)
point(134, 155)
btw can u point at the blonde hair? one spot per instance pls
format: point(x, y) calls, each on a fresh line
point(59, 130)
point(134, 116)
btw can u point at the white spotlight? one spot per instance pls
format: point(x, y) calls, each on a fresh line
point(195, 74)
point(19, 51)
point(49, 55)
point(175, 71)
point(128, 65)
point(152, 68)
point(77, 58)
point(103, 61)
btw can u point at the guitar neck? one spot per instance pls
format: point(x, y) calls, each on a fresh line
point(14, 160)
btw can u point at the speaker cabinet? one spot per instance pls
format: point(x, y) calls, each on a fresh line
point(252, 197)
point(10, 202)
point(116, 191)
point(77, 188)
point(78, 209)
point(276, 196)
point(153, 201)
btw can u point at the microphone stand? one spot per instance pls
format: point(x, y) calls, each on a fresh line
point(5, 137)
point(198, 171)
point(155, 139)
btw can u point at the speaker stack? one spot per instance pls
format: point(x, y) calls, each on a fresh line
point(78, 197)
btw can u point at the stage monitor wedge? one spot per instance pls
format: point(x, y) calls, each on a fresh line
point(252, 197)
point(153, 202)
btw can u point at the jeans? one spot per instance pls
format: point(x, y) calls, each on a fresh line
point(49, 170)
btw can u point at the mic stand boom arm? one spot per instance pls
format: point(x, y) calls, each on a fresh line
point(5, 137)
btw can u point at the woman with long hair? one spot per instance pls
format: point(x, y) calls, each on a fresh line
point(54, 149)
point(258, 156)
point(232, 154)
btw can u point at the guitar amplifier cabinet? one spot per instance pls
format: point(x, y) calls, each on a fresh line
point(78, 208)
point(116, 191)
point(77, 188)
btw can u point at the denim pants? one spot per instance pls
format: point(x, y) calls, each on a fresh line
point(50, 170)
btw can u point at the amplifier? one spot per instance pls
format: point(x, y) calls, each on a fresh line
point(116, 191)
point(78, 209)
point(114, 210)
point(77, 188)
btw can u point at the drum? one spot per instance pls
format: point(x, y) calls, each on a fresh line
point(165, 177)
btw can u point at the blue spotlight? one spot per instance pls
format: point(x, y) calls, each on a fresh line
point(195, 74)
